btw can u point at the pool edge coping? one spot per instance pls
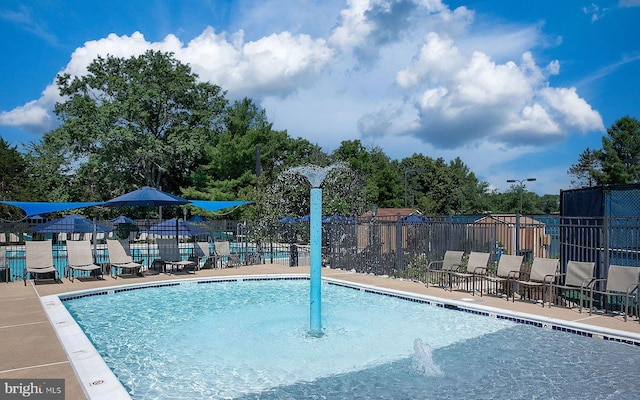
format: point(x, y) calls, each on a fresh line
point(98, 381)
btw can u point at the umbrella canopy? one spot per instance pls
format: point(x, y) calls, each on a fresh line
point(198, 218)
point(172, 226)
point(70, 224)
point(287, 220)
point(146, 197)
point(306, 218)
point(122, 220)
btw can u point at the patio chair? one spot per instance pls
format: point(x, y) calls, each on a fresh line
point(440, 269)
point(80, 257)
point(4, 264)
point(39, 257)
point(171, 258)
point(203, 256)
point(578, 281)
point(475, 267)
point(223, 253)
point(119, 259)
point(542, 275)
point(622, 281)
point(506, 275)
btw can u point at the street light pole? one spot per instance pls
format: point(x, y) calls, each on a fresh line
point(520, 183)
point(409, 171)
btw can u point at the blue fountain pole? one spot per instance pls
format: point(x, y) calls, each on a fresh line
point(315, 273)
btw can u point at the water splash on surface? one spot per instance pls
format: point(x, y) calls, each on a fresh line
point(422, 361)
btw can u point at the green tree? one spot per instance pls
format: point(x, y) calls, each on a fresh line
point(379, 175)
point(14, 179)
point(138, 121)
point(620, 154)
point(583, 171)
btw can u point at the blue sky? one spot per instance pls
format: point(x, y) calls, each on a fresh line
point(515, 89)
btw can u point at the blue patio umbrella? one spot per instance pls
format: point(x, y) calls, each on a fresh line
point(146, 197)
point(173, 226)
point(122, 220)
point(198, 218)
point(287, 220)
point(70, 224)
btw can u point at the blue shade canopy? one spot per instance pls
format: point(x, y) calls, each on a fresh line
point(122, 220)
point(217, 205)
point(338, 219)
point(414, 219)
point(306, 218)
point(146, 197)
point(172, 226)
point(197, 218)
point(287, 220)
point(38, 207)
point(70, 224)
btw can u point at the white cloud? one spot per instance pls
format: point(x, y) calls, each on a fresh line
point(31, 116)
point(408, 75)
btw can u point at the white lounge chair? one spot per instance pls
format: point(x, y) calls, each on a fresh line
point(224, 254)
point(39, 257)
point(120, 260)
point(170, 256)
point(80, 257)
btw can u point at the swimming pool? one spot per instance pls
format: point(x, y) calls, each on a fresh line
point(245, 338)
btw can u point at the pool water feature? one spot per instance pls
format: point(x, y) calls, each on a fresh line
point(247, 339)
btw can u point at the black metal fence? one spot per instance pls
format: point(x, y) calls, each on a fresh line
point(375, 245)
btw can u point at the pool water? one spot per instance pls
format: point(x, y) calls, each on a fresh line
point(249, 340)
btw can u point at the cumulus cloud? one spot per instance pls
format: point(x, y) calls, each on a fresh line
point(462, 98)
point(393, 71)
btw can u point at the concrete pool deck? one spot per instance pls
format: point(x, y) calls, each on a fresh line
point(30, 349)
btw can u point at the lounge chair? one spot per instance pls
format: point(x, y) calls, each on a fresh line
point(506, 275)
point(170, 256)
point(4, 264)
point(440, 269)
point(39, 256)
point(80, 257)
point(622, 281)
point(119, 259)
point(578, 281)
point(542, 276)
point(476, 267)
point(223, 253)
point(202, 255)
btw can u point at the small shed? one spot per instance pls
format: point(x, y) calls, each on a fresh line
point(534, 241)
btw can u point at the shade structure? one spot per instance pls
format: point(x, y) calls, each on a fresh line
point(39, 207)
point(173, 227)
point(338, 219)
point(287, 220)
point(211, 205)
point(70, 224)
point(146, 197)
point(122, 220)
point(197, 218)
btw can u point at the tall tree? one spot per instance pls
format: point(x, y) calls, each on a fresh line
point(620, 154)
point(583, 171)
point(138, 121)
point(14, 179)
point(379, 174)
